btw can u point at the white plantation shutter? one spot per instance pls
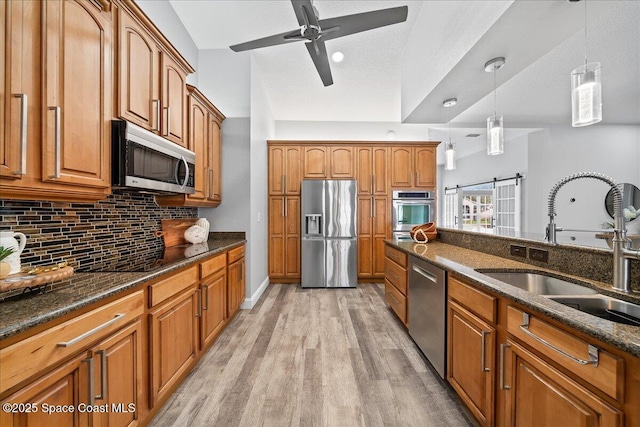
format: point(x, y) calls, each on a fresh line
point(506, 207)
point(452, 209)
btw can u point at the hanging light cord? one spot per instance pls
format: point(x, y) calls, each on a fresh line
point(495, 96)
point(585, 35)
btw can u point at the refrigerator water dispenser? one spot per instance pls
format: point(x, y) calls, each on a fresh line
point(313, 225)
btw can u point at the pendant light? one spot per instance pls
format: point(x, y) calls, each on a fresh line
point(586, 89)
point(495, 132)
point(449, 148)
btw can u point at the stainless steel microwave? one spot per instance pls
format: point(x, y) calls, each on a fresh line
point(144, 161)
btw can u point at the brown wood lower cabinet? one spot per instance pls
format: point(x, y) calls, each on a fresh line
point(214, 307)
point(236, 286)
point(539, 395)
point(173, 328)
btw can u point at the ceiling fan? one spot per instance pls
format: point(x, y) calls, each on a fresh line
point(316, 31)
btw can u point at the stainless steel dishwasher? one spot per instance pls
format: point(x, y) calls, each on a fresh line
point(428, 311)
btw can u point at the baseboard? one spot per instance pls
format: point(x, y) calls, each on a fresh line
point(248, 303)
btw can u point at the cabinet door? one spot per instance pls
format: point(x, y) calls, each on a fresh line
point(65, 386)
point(174, 101)
point(540, 395)
point(365, 237)
point(20, 90)
point(139, 75)
point(380, 173)
point(292, 230)
point(277, 242)
point(425, 167)
point(214, 307)
point(364, 170)
point(293, 174)
point(235, 286)
point(118, 359)
point(198, 141)
point(471, 360)
point(173, 341)
point(242, 283)
point(284, 169)
point(315, 162)
point(401, 167)
point(381, 227)
point(215, 160)
point(77, 136)
point(342, 162)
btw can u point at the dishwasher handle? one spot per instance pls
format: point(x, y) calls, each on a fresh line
point(421, 271)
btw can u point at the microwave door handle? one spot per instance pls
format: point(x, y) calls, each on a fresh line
point(186, 172)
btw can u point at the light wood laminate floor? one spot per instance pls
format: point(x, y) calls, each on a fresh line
point(314, 357)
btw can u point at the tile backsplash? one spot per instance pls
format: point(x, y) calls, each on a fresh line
point(90, 236)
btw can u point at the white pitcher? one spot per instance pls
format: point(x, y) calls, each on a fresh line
point(8, 240)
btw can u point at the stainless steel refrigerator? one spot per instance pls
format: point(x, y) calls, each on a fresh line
point(329, 239)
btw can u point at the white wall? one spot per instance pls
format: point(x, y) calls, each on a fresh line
point(262, 129)
point(349, 131)
point(225, 77)
point(165, 18)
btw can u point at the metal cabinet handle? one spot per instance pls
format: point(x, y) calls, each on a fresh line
point(206, 297)
point(284, 177)
point(392, 256)
point(371, 184)
point(391, 296)
point(168, 131)
point(23, 132)
point(211, 181)
point(483, 367)
point(89, 361)
point(103, 375)
point(593, 350)
point(286, 208)
point(503, 347)
point(91, 332)
point(57, 132)
point(157, 102)
point(199, 312)
point(395, 276)
point(241, 271)
point(207, 183)
point(371, 210)
point(417, 178)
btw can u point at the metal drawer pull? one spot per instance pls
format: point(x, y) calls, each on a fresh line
point(207, 183)
point(168, 122)
point(483, 368)
point(157, 102)
point(425, 273)
point(103, 375)
point(593, 350)
point(395, 276)
point(391, 296)
point(392, 256)
point(89, 361)
point(23, 133)
point(503, 347)
point(92, 331)
point(58, 138)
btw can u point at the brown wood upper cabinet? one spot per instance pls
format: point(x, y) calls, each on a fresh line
point(284, 170)
point(204, 140)
point(56, 120)
point(152, 88)
point(413, 167)
point(315, 164)
point(372, 170)
point(342, 163)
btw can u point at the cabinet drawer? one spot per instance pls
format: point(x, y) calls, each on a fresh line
point(569, 351)
point(397, 256)
point(55, 344)
point(396, 301)
point(480, 303)
point(236, 254)
point(396, 275)
point(172, 285)
point(212, 265)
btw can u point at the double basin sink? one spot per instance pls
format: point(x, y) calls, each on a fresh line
point(571, 294)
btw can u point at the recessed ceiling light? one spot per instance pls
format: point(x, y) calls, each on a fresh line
point(473, 135)
point(337, 56)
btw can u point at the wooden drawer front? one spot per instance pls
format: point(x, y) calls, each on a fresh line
point(480, 303)
point(236, 254)
point(396, 301)
point(32, 355)
point(607, 375)
point(396, 275)
point(172, 285)
point(397, 256)
point(212, 265)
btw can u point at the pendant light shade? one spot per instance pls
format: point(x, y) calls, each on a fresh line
point(586, 95)
point(495, 123)
point(449, 157)
point(495, 135)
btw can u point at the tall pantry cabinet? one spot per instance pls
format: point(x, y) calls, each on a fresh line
point(378, 168)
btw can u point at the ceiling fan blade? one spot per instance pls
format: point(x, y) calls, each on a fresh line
point(318, 53)
point(356, 23)
point(304, 12)
point(276, 39)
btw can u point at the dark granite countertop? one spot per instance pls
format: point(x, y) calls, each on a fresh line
point(83, 289)
point(464, 263)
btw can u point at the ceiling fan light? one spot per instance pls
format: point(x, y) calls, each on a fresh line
point(449, 157)
point(337, 56)
point(586, 95)
point(495, 135)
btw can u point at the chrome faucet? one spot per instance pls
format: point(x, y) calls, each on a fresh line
point(622, 251)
